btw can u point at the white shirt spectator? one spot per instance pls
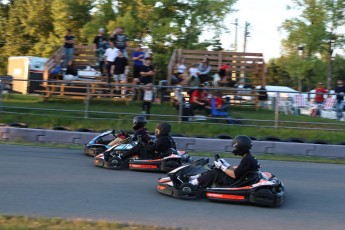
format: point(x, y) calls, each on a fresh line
point(193, 72)
point(110, 54)
point(181, 68)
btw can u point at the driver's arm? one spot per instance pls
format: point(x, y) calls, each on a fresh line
point(230, 172)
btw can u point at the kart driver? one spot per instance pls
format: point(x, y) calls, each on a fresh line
point(139, 123)
point(223, 173)
point(162, 146)
point(141, 134)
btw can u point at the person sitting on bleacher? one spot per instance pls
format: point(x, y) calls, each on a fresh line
point(204, 69)
point(219, 102)
point(198, 98)
point(194, 76)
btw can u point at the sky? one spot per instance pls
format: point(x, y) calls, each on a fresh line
point(265, 17)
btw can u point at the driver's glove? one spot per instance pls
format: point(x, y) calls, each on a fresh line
point(219, 165)
point(224, 162)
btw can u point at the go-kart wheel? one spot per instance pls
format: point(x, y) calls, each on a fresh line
point(115, 163)
point(187, 189)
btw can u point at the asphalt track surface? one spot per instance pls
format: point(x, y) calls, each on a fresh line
point(49, 182)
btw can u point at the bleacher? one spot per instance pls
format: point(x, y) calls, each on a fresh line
point(247, 69)
point(84, 56)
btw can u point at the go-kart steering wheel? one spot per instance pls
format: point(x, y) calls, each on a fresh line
point(216, 157)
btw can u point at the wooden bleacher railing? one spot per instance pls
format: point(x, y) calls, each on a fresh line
point(245, 68)
point(84, 55)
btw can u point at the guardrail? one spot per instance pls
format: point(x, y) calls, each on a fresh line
point(190, 144)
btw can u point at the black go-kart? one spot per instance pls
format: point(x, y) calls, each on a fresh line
point(165, 163)
point(260, 188)
point(99, 144)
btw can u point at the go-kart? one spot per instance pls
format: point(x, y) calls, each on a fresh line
point(99, 144)
point(261, 188)
point(165, 163)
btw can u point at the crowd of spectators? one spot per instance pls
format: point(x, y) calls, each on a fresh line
point(113, 63)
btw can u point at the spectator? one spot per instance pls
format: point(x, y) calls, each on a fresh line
point(100, 45)
point(120, 40)
point(219, 103)
point(262, 97)
point(138, 58)
point(320, 91)
point(194, 75)
point(198, 98)
point(204, 69)
point(120, 71)
point(71, 72)
point(340, 92)
point(146, 73)
point(68, 48)
point(219, 78)
point(226, 68)
point(181, 72)
point(109, 57)
point(147, 100)
point(71, 69)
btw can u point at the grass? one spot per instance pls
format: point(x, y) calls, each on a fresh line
point(26, 223)
point(27, 112)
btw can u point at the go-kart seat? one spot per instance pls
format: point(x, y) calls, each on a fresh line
point(248, 178)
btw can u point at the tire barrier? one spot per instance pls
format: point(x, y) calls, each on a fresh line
point(18, 125)
point(84, 130)
point(223, 136)
point(271, 138)
point(191, 144)
point(61, 128)
point(296, 140)
point(320, 142)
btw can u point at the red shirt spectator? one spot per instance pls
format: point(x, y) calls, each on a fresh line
point(225, 67)
point(319, 93)
point(198, 96)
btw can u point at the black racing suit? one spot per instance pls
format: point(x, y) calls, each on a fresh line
point(217, 176)
point(142, 135)
point(158, 149)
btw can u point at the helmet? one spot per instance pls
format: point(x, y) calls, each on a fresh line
point(241, 145)
point(163, 129)
point(139, 122)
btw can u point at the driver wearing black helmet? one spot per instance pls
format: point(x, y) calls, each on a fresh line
point(139, 123)
point(141, 134)
point(162, 146)
point(223, 173)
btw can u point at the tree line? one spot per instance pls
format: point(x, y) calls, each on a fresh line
point(37, 27)
point(309, 52)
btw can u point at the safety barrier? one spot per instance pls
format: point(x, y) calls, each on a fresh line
point(190, 144)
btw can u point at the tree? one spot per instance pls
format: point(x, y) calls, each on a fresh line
point(170, 24)
point(4, 11)
point(315, 28)
point(103, 12)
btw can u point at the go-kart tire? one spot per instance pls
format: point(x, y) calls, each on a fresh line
point(115, 163)
point(187, 189)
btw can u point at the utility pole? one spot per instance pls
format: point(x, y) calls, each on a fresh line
point(236, 29)
point(246, 34)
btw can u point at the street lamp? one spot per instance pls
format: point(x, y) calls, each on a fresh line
point(301, 54)
point(331, 47)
